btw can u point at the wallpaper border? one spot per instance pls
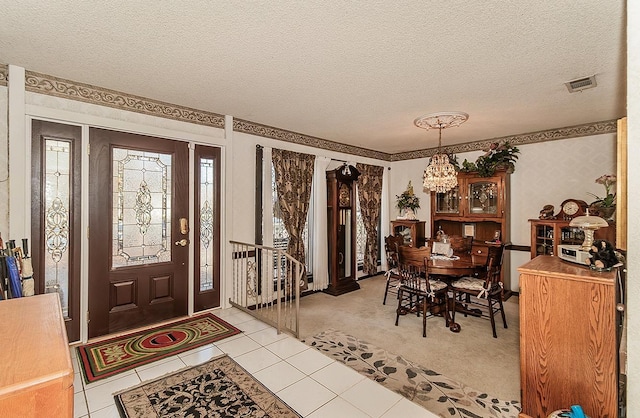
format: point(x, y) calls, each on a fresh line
point(54, 86)
point(245, 126)
point(4, 74)
point(595, 128)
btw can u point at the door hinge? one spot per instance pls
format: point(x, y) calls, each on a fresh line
point(88, 149)
point(88, 320)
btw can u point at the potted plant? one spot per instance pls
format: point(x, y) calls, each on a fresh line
point(605, 206)
point(408, 202)
point(497, 156)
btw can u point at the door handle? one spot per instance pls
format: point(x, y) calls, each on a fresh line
point(183, 242)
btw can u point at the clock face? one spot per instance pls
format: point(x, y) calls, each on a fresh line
point(570, 208)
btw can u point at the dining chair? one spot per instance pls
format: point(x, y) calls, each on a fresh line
point(429, 294)
point(461, 245)
point(391, 244)
point(484, 291)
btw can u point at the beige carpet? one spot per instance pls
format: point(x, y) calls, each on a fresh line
point(472, 357)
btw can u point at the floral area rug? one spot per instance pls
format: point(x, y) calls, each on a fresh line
point(218, 388)
point(435, 392)
point(115, 355)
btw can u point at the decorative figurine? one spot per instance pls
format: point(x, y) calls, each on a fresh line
point(603, 255)
point(547, 212)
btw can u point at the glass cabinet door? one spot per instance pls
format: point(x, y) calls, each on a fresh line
point(544, 240)
point(448, 202)
point(483, 198)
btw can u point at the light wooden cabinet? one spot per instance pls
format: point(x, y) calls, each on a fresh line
point(476, 204)
point(412, 231)
point(568, 338)
point(36, 375)
point(546, 234)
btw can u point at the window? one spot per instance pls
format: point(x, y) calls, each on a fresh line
point(361, 237)
point(280, 235)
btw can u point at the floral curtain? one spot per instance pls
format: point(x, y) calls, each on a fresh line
point(294, 174)
point(320, 253)
point(370, 195)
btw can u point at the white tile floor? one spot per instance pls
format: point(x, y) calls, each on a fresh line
point(313, 384)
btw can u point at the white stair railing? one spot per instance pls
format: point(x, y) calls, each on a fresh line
point(266, 285)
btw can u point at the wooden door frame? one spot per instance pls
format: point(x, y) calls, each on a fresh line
point(40, 130)
point(210, 298)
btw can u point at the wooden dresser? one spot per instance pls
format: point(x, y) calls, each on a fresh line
point(36, 375)
point(568, 338)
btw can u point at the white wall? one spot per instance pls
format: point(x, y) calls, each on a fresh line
point(546, 173)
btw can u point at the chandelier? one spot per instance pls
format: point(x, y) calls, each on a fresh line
point(440, 175)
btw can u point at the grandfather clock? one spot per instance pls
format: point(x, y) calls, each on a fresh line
point(341, 223)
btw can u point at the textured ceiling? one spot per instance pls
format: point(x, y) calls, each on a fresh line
point(355, 72)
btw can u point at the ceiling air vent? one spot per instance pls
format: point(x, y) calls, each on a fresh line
point(581, 84)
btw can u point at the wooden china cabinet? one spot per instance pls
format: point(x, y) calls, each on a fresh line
point(341, 224)
point(477, 206)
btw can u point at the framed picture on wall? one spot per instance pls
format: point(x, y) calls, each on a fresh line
point(469, 230)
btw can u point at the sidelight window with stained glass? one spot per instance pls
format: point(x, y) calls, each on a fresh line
point(142, 207)
point(207, 217)
point(57, 196)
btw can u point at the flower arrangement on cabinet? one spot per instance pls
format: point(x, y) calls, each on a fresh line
point(609, 199)
point(605, 206)
point(497, 156)
point(407, 200)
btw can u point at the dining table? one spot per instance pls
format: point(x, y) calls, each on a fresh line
point(448, 269)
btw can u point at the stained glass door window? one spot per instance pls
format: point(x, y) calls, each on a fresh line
point(142, 207)
point(207, 216)
point(57, 176)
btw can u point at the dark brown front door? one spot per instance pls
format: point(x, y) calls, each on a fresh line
point(138, 239)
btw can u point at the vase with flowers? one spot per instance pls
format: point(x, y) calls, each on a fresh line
point(605, 206)
point(408, 202)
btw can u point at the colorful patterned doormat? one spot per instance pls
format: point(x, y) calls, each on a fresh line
point(115, 355)
point(217, 388)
